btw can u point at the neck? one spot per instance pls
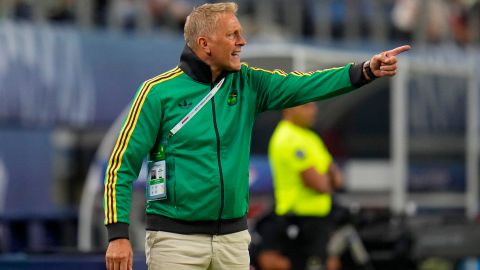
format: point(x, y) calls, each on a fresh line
point(213, 69)
point(194, 66)
point(290, 119)
point(206, 59)
point(294, 121)
point(197, 66)
point(215, 73)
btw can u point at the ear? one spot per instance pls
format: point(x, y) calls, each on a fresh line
point(202, 43)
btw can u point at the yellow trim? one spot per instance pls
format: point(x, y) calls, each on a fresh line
point(295, 73)
point(276, 71)
point(123, 140)
point(281, 72)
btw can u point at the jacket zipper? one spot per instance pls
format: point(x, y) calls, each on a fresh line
point(219, 166)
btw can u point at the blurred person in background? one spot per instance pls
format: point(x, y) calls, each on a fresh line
point(170, 13)
point(304, 176)
point(404, 18)
point(63, 12)
point(459, 22)
point(22, 10)
point(196, 213)
point(306, 232)
point(126, 14)
point(433, 21)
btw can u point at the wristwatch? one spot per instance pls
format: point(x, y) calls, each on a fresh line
point(368, 71)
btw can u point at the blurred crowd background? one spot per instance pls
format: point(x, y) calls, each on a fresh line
point(426, 21)
point(68, 68)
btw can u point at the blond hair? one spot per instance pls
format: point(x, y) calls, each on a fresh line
point(203, 20)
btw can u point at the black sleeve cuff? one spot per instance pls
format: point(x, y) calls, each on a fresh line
point(356, 75)
point(117, 231)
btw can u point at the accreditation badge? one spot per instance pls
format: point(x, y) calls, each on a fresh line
point(157, 180)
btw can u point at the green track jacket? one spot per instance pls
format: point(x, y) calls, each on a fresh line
point(208, 159)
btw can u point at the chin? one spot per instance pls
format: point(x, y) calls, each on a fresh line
point(236, 66)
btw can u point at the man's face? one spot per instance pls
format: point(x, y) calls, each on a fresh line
point(225, 44)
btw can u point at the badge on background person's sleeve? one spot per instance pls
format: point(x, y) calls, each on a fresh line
point(300, 154)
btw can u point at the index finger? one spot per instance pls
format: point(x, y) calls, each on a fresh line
point(398, 50)
point(129, 264)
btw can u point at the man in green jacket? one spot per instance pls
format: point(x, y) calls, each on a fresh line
point(195, 122)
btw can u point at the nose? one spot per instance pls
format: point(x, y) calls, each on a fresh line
point(241, 41)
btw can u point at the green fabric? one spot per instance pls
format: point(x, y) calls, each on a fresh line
point(193, 170)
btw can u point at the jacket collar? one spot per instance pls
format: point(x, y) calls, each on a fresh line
point(196, 68)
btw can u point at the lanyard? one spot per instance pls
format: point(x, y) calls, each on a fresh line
point(195, 109)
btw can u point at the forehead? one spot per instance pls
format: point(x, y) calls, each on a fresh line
point(228, 22)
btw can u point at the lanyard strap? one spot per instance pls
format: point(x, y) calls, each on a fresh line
point(196, 109)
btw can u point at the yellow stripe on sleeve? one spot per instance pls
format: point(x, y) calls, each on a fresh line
point(123, 140)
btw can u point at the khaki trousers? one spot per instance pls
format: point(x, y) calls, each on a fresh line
point(172, 251)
